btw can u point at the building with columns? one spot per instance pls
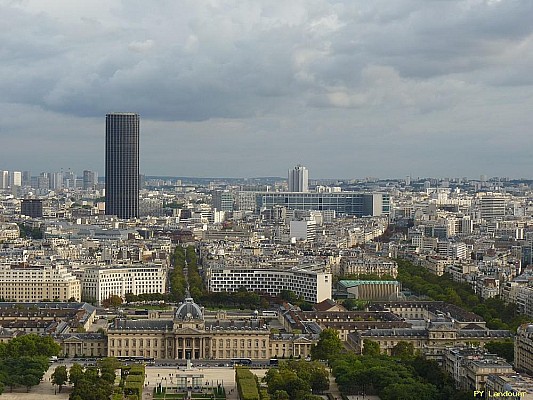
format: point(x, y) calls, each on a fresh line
point(189, 336)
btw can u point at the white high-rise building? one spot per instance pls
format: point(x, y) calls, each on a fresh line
point(298, 179)
point(4, 179)
point(16, 178)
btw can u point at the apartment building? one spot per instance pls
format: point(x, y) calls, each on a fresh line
point(38, 283)
point(313, 283)
point(99, 283)
point(368, 266)
point(523, 349)
point(470, 366)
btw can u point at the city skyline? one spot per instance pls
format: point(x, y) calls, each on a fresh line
point(233, 89)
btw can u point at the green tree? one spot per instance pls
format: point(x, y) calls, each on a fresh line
point(75, 373)
point(503, 349)
point(409, 391)
point(403, 349)
point(328, 347)
point(108, 366)
point(131, 298)
point(280, 395)
point(32, 378)
point(32, 345)
point(371, 348)
point(60, 376)
point(354, 304)
point(113, 301)
point(23, 371)
point(288, 295)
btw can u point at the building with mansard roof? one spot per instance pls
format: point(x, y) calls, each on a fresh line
point(188, 335)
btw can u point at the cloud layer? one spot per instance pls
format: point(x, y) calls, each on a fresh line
point(247, 88)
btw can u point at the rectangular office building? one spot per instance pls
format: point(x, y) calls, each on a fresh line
point(344, 203)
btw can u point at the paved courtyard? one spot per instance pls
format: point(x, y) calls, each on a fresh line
point(167, 376)
point(154, 375)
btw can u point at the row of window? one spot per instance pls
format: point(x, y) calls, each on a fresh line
point(242, 343)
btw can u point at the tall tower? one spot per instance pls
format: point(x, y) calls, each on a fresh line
point(122, 165)
point(298, 179)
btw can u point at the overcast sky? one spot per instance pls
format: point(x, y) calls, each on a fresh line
point(250, 88)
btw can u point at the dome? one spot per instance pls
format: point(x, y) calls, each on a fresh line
point(188, 310)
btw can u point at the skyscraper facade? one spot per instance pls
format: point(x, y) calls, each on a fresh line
point(122, 165)
point(298, 179)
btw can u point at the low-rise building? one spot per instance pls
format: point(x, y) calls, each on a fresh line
point(82, 344)
point(51, 318)
point(430, 340)
point(369, 290)
point(188, 335)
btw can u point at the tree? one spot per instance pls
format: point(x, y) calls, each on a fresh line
point(409, 391)
point(354, 304)
point(112, 301)
point(131, 298)
point(280, 395)
point(503, 349)
point(60, 376)
point(108, 366)
point(288, 295)
point(297, 379)
point(23, 371)
point(75, 373)
point(32, 345)
point(32, 378)
point(371, 348)
point(328, 347)
point(403, 349)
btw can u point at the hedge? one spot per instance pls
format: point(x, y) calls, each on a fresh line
point(246, 384)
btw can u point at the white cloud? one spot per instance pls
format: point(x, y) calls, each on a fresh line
point(141, 47)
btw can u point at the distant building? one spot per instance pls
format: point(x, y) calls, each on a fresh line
point(38, 283)
point(122, 165)
point(16, 178)
point(90, 179)
point(492, 206)
point(298, 179)
point(48, 318)
point(32, 208)
point(9, 231)
point(4, 179)
point(368, 266)
point(82, 344)
point(223, 200)
point(520, 387)
point(345, 203)
point(303, 230)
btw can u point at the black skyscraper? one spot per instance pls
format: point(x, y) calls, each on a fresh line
point(122, 165)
